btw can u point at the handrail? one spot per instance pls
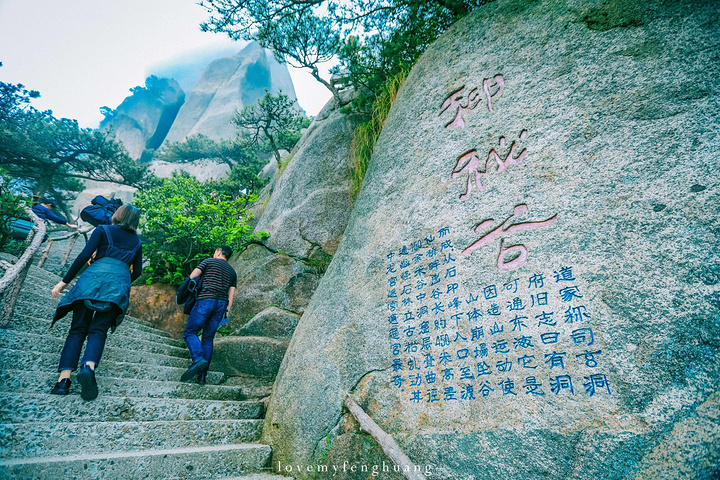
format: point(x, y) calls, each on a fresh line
point(73, 238)
point(14, 277)
point(37, 238)
point(72, 234)
point(386, 442)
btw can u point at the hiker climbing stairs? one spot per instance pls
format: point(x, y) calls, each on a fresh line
point(145, 423)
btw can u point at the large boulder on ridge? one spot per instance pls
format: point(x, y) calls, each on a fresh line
point(265, 279)
point(528, 284)
point(310, 204)
point(143, 119)
point(226, 86)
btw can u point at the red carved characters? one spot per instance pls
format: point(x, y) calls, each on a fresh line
point(467, 103)
point(504, 229)
point(470, 162)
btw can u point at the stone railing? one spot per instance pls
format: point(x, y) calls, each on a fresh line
point(14, 277)
point(73, 236)
point(12, 281)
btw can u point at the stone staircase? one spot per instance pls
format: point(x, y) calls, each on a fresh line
point(144, 423)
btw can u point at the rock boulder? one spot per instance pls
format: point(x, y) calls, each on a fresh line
point(227, 85)
point(143, 119)
point(310, 203)
point(528, 284)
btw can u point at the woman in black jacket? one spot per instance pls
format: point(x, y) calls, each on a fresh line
point(100, 297)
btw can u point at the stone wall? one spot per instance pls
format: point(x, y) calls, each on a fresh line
point(528, 284)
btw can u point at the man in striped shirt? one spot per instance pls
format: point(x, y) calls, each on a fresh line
point(214, 301)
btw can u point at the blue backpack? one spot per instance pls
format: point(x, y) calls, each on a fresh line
point(100, 211)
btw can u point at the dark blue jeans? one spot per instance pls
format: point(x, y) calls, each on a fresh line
point(206, 316)
point(88, 324)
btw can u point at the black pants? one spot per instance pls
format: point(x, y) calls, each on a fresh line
point(88, 324)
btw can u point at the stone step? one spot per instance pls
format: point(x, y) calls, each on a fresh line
point(259, 476)
point(48, 361)
point(23, 408)
point(47, 439)
point(34, 270)
point(109, 368)
point(41, 342)
point(38, 284)
point(22, 322)
point(252, 386)
point(187, 463)
point(34, 382)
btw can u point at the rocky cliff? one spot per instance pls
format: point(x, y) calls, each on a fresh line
point(305, 208)
point(528, 283)
point(144, 118)
point(226, 86)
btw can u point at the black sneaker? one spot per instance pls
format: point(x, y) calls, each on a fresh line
point(62, 387)
point(194, 369)
point(86, 377)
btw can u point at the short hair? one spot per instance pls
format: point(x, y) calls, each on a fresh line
point(127, 217)
point(47, 201)
point(226, 251)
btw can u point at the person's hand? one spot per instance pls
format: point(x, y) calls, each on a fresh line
point(58, 288)
point(71, 225)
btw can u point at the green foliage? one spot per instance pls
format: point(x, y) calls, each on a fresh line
point(366, 134)
point(374, 39)
point(184, 220)
point(11, 206)
point(244, 161)
point(274, 121)
point(50, 155)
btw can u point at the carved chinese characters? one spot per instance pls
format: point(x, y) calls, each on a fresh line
point(517, 252)
point(531, 335)
point(469, 164)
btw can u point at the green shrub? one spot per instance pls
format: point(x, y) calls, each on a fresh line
point(367, 133)
point(184, 220)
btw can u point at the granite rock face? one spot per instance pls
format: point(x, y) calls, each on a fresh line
point(226, 86)
point(143, 119)
point(528, 286)
point(258, 356)
point(200, 169)
point(268, 279)
point(310, 202)
point(271, 322)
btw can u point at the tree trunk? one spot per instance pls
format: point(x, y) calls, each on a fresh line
point(328, 85)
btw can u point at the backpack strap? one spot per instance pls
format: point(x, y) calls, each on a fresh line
point(108, 235)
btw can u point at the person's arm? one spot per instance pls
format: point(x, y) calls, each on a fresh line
point(137, 265)
point(54, 218)
point(195, 273)
point(81, 259)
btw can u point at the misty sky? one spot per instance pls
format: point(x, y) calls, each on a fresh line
point(84, 54)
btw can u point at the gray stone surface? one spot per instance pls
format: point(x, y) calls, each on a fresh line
point(23, 408)
point(620, 103)
point(192, 462)
point(202, 170)
point(68, 438)
point(144, 423)
point(259, 356)
point(270, 279)
point(271, 322)
point(227, 85)
point(143, 119)
point(34, 382)
point(310, 202)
